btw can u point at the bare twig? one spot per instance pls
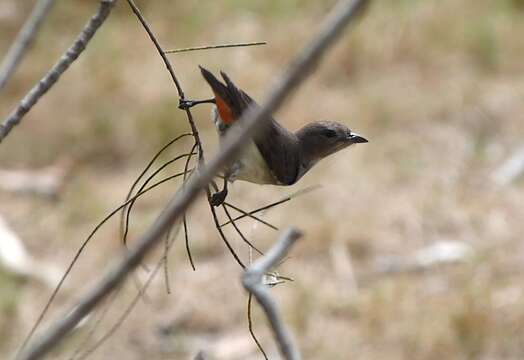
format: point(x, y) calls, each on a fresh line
point(58, 69)
point(248, 215)
point(209, 47)
point(250, 326)
point(252, 281)
point(239, 232)
point(184, 220)
point(142, 174)
point(141, 189)
point(271, 205)
point(147, 28)
point(236, 138)
point(219, 229)
point(23, 40)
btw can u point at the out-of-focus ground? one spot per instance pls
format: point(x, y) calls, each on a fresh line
point(437, 87)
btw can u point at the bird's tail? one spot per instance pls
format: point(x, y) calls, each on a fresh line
point(230, 100)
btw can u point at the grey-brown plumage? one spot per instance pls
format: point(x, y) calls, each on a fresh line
point(288, 155)
point(276, 156)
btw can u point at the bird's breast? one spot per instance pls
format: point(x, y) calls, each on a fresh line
point(251, 166)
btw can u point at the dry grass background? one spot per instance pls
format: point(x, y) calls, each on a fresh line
point(437, 87)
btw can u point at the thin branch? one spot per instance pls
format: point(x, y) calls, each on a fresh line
point(243, 212)
point(147, 28)
point(169, 68)
point(184, 220)
point(146, 169)
point(252, 281)
point(239, 232)
point(236, 138)
point(220, 231)
point(273, 204)
point(23, 40)
point(140, 190)
point(58, 69)
point(250, 326)
point(209, 47)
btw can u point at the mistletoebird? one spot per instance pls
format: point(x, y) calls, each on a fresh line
point(276, 155)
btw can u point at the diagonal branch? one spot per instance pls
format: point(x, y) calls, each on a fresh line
point(235, 140)
point(23, 40)
point(58, 69)
point(210, 47)
point(252, 281)
point(245, 213)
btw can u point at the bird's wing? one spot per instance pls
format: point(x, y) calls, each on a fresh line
point(279, 148)
point(277, 145)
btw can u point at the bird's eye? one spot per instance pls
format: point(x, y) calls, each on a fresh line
point(329, 133)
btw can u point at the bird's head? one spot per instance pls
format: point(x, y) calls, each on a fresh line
point(323, 138)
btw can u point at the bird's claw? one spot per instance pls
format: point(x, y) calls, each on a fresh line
point(218, 198)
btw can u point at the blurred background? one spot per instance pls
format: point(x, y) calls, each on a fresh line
point(412, 246)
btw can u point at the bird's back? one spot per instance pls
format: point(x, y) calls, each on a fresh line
point(277, 147)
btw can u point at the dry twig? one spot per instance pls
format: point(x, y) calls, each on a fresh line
point(252, 281)
point(58, 69)
point(210, 47)
point(23, 40)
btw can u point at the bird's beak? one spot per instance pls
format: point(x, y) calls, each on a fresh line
point(356, 138)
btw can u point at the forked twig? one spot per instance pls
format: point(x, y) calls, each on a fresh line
point(248, 214)
point(252, 281)
point(146, 169)
point(23, 40)
point(141, 188)
point(221, 232)
point(209, 47)
point(237, 229)
point(237, 137)
point(58, 69)
point(269, 206)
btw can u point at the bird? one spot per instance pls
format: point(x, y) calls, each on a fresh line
point(276, 155)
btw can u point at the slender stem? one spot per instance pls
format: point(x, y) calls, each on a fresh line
point(250, 326)
point(237, 229)
point(260, 209)
point(23, 40)
point(146, 169)
point(220, 46)
point(52, 76)
point(243, 212)
point(252, 281)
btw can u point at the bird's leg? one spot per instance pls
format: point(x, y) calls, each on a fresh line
point(218, 197)
point(185, 104)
